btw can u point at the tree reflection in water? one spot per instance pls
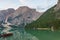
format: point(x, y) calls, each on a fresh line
point(20, 34)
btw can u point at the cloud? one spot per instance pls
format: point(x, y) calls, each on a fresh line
point(38, 4)
point(22, 1)
point(5, 4)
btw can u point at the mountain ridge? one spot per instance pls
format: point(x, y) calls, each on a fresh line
point(20, 15)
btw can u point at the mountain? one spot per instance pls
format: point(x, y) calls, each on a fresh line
point(57, 10)
point(49, 16)
point(4, 13)
point(23, 14)
point(57, 6)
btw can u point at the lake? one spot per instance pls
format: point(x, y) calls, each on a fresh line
point(22, 34)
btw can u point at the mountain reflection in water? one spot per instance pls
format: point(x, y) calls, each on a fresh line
point(19, 34)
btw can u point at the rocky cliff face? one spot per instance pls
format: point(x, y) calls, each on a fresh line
point(4, 13)
point(57, 6)
point(23, 15)
point(57, 10)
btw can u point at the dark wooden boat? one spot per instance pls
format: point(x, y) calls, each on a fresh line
point(6, 35)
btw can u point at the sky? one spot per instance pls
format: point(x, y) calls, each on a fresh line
point(39, 5)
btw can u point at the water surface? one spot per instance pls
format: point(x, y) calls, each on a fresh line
point(22, 34)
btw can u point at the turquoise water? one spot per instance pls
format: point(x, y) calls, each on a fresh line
point(21, 34)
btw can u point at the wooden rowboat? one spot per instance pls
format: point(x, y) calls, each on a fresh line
point(6, 35)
